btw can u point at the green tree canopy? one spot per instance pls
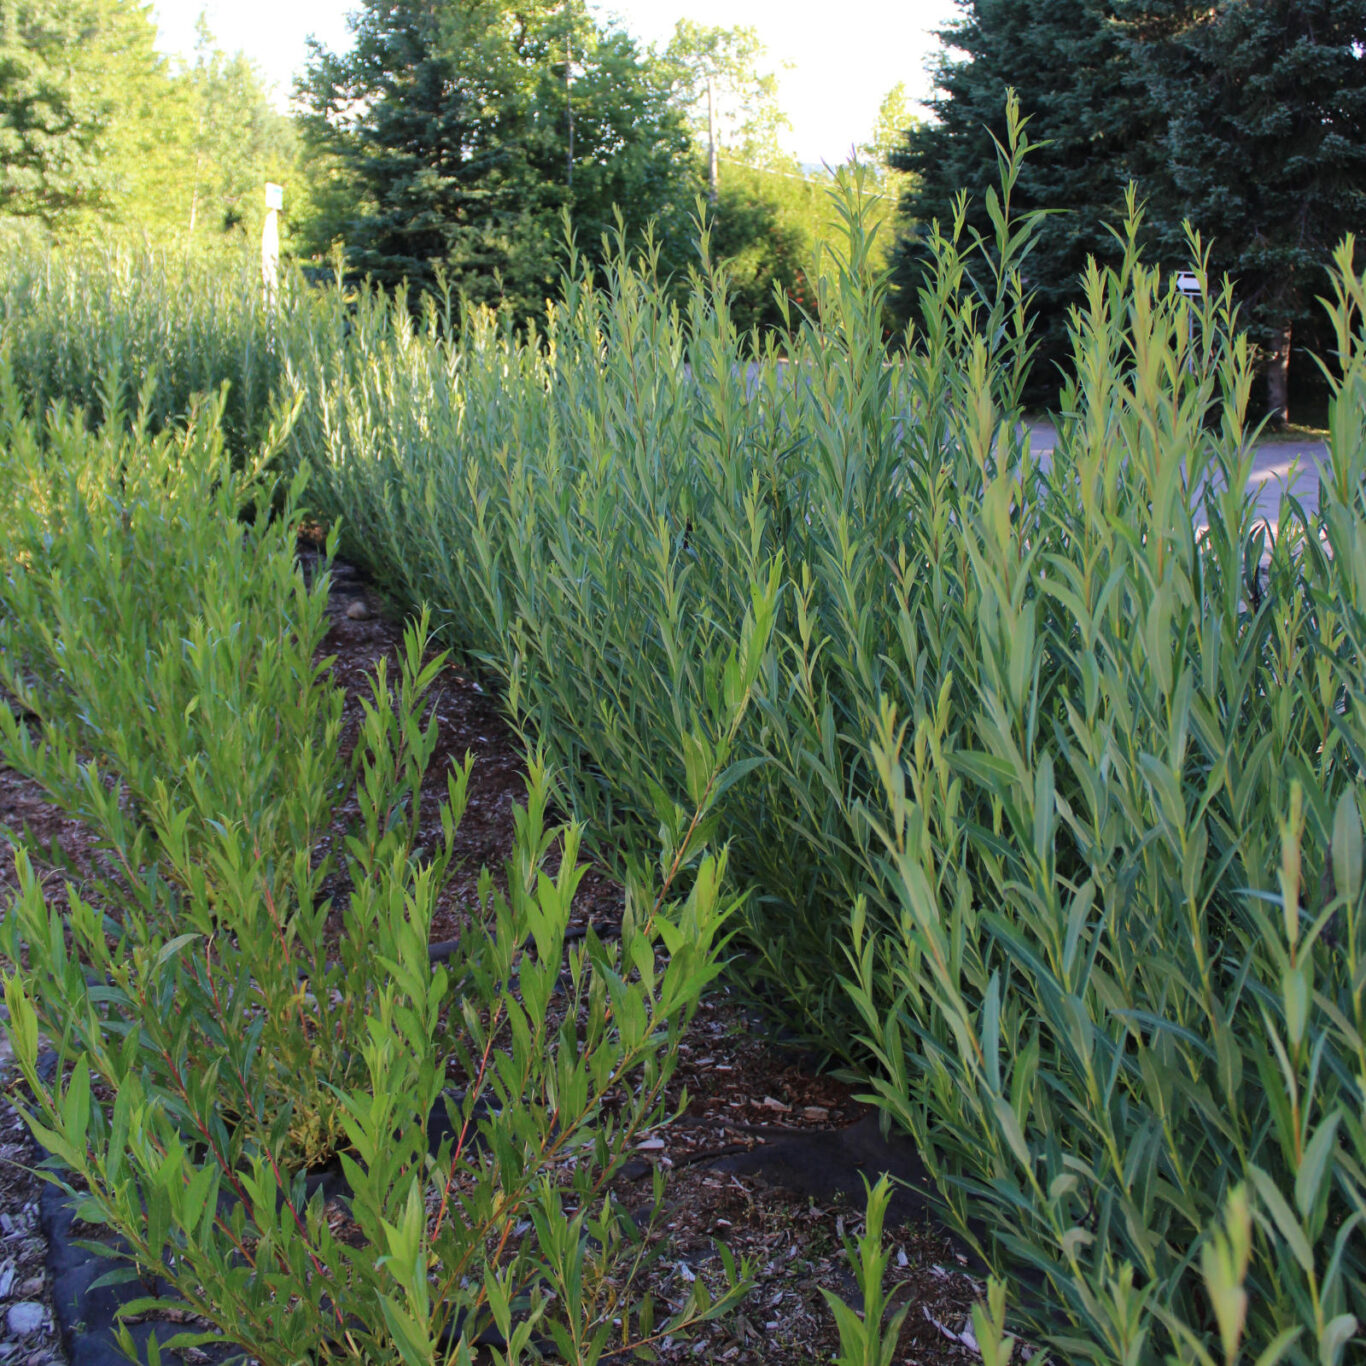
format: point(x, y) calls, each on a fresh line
point(465, 129)
point(766, 228)
point(1263, 149)
point(235, 140)
point(1245, 117)
point(69, 76)
point(100, 136)
point(1077, 84)
point(890, 129)
point(730, 103)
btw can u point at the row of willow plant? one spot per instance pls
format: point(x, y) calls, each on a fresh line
point(1050, 804)
point(590, 512)
point(1049, 801)
point(194, 323)
point(238, 994)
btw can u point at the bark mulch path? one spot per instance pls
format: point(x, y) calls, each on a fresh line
point(766, 1157)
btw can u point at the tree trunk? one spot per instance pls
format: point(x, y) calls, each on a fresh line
point(1278, 378)
point(713, 180)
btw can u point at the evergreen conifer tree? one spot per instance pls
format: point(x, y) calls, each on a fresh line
point(1086, 105)
point(1264, 148)
point(465, 128)
point(1246, 118)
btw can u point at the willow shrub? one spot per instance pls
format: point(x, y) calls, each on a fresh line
point(1049, 789)
point(1122, 1007)
point(597, 513)
point(79, 322)
point(222, 1027)
point(1052, 790)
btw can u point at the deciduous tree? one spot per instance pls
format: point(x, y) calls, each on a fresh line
point(732, 105)
point(237, 140)
point(64, 85)
point(101, 136)
point(892, 126)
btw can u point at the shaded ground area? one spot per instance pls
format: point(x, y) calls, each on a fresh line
point(766, 1157)
point(28, 1331)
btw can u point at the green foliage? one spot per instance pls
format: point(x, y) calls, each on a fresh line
point(56, 105)
point(220, 1026)
point(168, 660)
point(1263, 147)
point(1044, 777)
point(233, 140)
point(775, 227)
point(1090, 119)
point(1246, 118)
point(171, 328)
point(101, 138)
point(467, 132)
point(868, 1338)
point(766, 226)
point(600, 520)
point(894, 122)
point(1122, 825)
point(590, 523)
point(1044, 737)
point(731, 105)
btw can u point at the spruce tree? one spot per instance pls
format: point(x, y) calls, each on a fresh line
point(1246, 118)
point(1264, 148)
point(466, 128)
point(1089, 117)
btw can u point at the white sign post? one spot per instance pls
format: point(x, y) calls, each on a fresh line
point(1188, 283)
point(270, 241)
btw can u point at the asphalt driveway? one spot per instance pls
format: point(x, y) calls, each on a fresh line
point(1291, 465)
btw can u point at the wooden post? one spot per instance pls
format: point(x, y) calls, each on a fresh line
point(712, 177)
point(270, 242)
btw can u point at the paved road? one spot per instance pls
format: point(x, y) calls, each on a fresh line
point(1276, 462)
point(1273, 470)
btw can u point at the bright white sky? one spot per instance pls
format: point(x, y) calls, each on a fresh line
point(844, 56)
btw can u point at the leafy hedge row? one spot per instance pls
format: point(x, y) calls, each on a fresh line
point(224, 1025)
point(87, 328)
point(1050, 800)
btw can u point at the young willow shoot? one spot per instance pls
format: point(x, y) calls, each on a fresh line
point(225, 1034)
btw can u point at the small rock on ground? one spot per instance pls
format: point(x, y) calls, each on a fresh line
point(26, 1317)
